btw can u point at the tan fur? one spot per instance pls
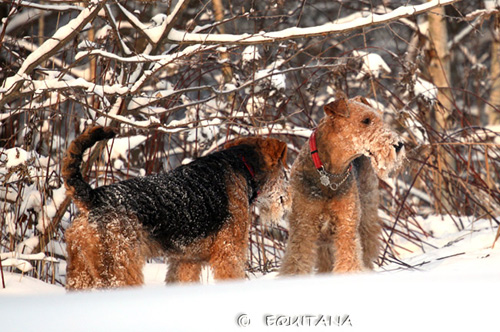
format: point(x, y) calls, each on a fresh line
point(339, 230)
point(84, 271)
point(106, 257)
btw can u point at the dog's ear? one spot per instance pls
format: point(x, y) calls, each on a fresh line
point(274, 152)
point(338, 107)
point(361, 99)
point(282, 155)
point(271, 150)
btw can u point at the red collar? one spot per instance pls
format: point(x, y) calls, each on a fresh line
point(252, 174)
point(249, 168)
point(324, 175)
point(314, 151)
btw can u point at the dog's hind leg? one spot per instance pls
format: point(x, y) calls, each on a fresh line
point(84, 256)
point(180, 270)
point(122, 253)
point(324, 260)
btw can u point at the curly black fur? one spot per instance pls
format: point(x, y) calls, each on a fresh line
point(175, 208)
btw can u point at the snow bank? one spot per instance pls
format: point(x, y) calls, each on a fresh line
point(16, 284)
point(367, 302)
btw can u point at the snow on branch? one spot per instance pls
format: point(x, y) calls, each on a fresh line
point(50, 47)
point(160, 59)
point(140, 101)
point(112, 21)
point(160, 62)
point(32, 47)
point(161, 23)
point(177, 36)
point(56, 8)
point(59, 39)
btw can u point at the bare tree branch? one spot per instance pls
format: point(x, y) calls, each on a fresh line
point(183, 37)
point(11, 86)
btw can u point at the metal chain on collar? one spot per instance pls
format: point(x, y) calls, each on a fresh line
point(324, 178)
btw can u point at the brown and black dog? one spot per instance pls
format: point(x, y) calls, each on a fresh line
point(196, 214)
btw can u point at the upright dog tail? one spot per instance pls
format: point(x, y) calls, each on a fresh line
point(76, 187)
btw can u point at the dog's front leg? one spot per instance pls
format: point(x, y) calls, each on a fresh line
point(346, 240)
point(301, 248)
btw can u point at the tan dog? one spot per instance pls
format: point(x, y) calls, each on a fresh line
point(196, 214)
point(334, 190)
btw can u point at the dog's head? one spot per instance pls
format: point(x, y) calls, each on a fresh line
point(271, 151)
point(353, 128)
point(271, 174)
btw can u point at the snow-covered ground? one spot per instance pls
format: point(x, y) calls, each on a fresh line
point(453, 284)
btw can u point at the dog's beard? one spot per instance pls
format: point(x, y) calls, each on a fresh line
point(271, 210)
point(383, 156)
point(386, 162)
point(274, 201)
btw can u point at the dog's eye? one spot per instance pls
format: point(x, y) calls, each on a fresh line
point(367, 121)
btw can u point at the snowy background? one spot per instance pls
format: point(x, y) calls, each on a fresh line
point(180, 78)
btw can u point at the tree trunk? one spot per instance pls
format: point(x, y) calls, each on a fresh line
point(492, 109)
point(439, 68)
point(219, 17)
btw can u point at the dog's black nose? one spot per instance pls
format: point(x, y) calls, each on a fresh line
point(398, 146)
